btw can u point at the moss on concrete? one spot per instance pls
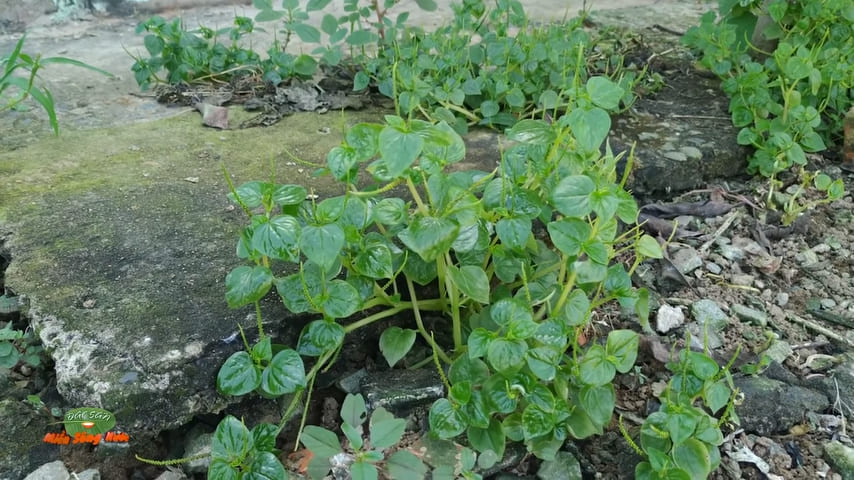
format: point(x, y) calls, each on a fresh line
point(122, 239)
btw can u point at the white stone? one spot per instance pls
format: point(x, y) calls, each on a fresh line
point(668, 318)
point(49, 471)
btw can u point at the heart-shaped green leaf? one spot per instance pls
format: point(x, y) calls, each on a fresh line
point(571, 196)
point(399, 149)
point(445, 420)
point(429, 237)
point(231, 440)
point(472, 281)
point(278, 238)
point(395, 343)
point(238, 375)
point(285, 374)
point(341, 299)
point(247, 284)
point(322, 244)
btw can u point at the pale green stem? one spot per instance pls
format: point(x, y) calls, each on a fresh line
point(417, 314)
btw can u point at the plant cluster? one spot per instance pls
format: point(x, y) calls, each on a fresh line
point(363, 453)
point(195, 55)
point(488, 66)
point(238, 452)
point(680, 441)
point(17, 346)
point(27, 85)
point(790, 101)
point(198, 55)
point(517, 261)
point(520, 256)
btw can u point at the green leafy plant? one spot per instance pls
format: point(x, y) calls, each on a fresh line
point(17, 346)
point(793, 102)
point(238, 452)
point(469, 463)
point(198, 55)
point(364, 452)
point(16, 88)
point(471, 71)
point(519, 259)
point(755, 368)
point(681, 439)
point(818, 182)
point(474, 71)
point(190, 56)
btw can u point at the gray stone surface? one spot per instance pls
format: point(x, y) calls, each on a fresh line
point(778, 351)
point(838, 383)
point(198, 442)
point(695, 137)
point(707, 312)
point(401, 391)
point(88, 474)
point(50, 471)
point(771, 406)
point(171, 475)
point(750, 315)
point(704, 338)
point(686, 259)
point(841, 458)
point(124, 269)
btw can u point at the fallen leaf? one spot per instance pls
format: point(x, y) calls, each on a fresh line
point(658, 227)
point(696, 209)
point(213, 116)
point(300, 459)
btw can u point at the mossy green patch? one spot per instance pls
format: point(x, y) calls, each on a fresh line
point(122, 239)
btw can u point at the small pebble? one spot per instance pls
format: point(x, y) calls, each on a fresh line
point(821, 248)
point(751, 315)
point(827, 303)
point(731, 253)
point(668, 318)
point(782, 299)
point(714, 268)
point(692, 152)
point(807, 257)
point(742, 279)
point(676, 156)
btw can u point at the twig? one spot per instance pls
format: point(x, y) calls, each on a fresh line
point(727, 223)
point(818, 328)
point(838, 404)
point(668, 30)
point(657, 54)
point(831, 317)
point(630, 416)
point(811, 345)
point(701, 117)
